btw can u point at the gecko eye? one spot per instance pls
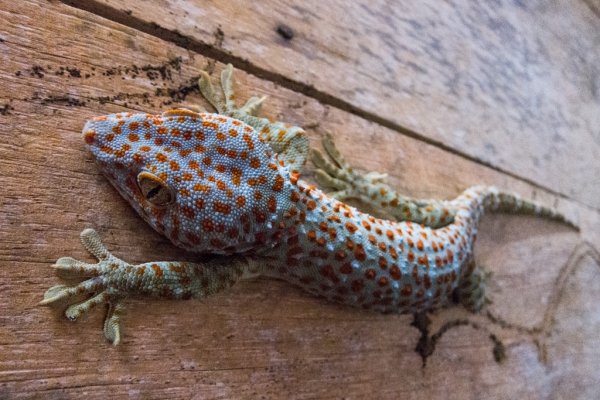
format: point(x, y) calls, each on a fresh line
point(155, 191)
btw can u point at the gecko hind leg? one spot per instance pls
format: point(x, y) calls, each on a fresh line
point(471, 289)
point(334, 171)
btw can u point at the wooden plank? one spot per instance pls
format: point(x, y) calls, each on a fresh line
point(262, 338)
point(511, 84)
point(594, 6)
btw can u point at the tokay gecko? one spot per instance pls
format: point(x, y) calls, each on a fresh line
point(227, 184)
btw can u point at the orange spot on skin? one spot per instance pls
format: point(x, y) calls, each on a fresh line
point(426, 281)
point(278, 185)
point(176, 268)
point(240, 201)
point(160, 157)
point(420, 245)
point(89, 136)
point(350, 227)
point(207, 225)
point(328, 272)
point(157, 270)
point(188, 211)
point(395, 272)
point(272, 204)
point(370, 274)
point(198, 187)
point(302, 216)
point(410, 256)
point(248, 139)
point(221, 208)
point(255, 163)
point(406, 290)
point(372, 240)
point(359, 253)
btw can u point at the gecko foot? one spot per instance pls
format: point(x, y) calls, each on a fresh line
point(333, 171)
point(101, 282)
point(251, 108)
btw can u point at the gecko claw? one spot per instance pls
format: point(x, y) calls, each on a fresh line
point(112, 324)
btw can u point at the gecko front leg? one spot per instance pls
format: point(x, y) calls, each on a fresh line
point(111, 280)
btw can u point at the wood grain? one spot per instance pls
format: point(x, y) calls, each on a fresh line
point(511, 84)
point(263, 338)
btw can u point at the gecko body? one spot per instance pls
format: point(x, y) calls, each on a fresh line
point(228, 184)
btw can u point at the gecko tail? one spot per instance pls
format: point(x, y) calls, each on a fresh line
point(496, 201)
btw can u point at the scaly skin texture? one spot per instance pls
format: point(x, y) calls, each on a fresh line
point(228, 184)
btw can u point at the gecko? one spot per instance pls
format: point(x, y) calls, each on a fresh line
point(228, 184)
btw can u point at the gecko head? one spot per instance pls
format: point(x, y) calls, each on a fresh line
point(206, 181)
